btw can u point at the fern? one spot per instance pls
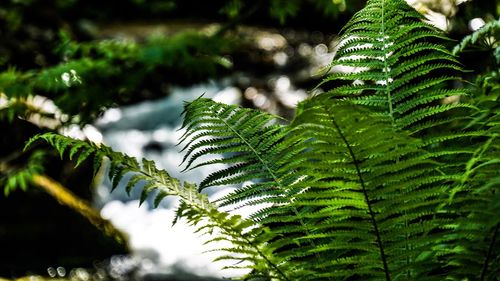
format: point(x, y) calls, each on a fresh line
point(401, 65)
point(251, 138)
point(485, 37)
point(474, 194)
point(400, 78)
point(371, 200)
point(255, 152)
point(377, 179)
point(194, 207)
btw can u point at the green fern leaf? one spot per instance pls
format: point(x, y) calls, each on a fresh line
point(372, 199)
point(250, 139)
point(401, 65)
point(487, 36)
point(133, 181)
point(194, 206)
point(117, 176)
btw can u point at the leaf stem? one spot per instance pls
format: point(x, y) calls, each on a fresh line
point(206, 208)
point(278, 182)
point(490, 252)
point(367, 199)
point(386, 67)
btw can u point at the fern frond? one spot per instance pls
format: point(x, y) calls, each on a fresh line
point(402, 65)
point(402, 71)
point(251, 142)
point(372, 197)
point(195, 206)
point(256, 152)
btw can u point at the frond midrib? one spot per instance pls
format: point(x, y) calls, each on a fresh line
point(355, 162)
point(276, 180)
point(386, 67)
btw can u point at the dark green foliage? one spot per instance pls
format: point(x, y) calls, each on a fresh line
point(373, 193)
point(377, 179)
point(486, 37)
point(13, 177)
point(477, 188)
point(286, 9)
point(487, 89)
point(109, 72)
point(251, 140)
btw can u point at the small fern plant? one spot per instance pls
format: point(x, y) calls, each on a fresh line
point(377, 179)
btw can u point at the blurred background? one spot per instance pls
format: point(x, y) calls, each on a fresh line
point(118, 72)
